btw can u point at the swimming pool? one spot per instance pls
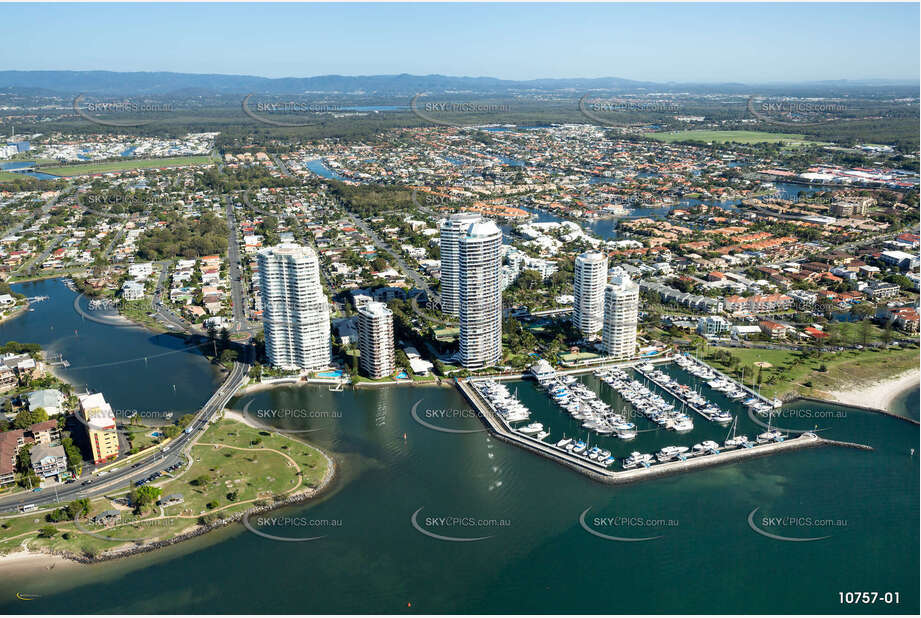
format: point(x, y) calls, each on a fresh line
point(330, 374)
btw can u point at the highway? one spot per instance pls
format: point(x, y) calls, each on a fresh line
point(121, 477)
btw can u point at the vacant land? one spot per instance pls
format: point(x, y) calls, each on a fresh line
point(722, 137)
point(81, 169)
point(234, 467)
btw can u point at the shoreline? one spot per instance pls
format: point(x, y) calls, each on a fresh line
point(880, 394)
point(23, 560)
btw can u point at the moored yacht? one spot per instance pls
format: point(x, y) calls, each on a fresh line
point(670, 452)
point(531, 429)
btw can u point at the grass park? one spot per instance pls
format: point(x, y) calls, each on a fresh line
point(234, 467)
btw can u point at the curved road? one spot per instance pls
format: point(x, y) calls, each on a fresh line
point(125, 476)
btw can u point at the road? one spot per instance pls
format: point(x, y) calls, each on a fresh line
point(233, 268)
point(419, 281)
point(46, 208)
point(118, 479)
point(29, 267)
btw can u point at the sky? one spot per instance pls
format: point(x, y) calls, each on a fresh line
point(753, 43)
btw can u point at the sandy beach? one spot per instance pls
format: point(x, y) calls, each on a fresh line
point(880, 394)
point(24, 562)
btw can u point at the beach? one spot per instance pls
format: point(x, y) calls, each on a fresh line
point(880, 394)
point(21, 562)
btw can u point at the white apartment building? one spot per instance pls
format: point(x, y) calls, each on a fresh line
point(591, 277)
point(480, 295)
point(140, 271)
point(295, 312)
point(451, 230)
point(621, 310)
point(375, 340)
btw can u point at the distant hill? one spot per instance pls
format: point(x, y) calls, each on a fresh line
point(163, 83)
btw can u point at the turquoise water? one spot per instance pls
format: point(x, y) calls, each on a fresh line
point(537, 558)
point(330, 374)
point(907, 404)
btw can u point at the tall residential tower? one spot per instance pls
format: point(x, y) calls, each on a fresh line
point(451, 230)
point(375, 340)
point(621, 309)
point(295, 312)
point(480, 295)
point(591, 276)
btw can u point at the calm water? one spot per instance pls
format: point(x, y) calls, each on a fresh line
point(16, 168)
point(134, 368)
point(318, 167)
point(538, 558)
point(907, 404)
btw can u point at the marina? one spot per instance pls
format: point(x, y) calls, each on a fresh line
point(505, 414)
point(576, 453)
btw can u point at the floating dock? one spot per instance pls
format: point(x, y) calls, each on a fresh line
point(675, 393)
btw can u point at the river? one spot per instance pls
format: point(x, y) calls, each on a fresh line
point(536, 557)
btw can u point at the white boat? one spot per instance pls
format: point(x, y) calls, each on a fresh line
point(637, 459)
point(529, 430)
point(542, 434)
point(564, 443)
point(770, 436)
point(670, 452)
point(735, 440)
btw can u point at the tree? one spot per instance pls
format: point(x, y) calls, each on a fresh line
point(144, 496)
point(27, 418)
point(46, 532)
point(224, 342)
point(74, 456)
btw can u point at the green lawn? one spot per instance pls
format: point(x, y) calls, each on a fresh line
point(739, 137)
point(118, 166)
point(233, 467)
point(791, 373)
